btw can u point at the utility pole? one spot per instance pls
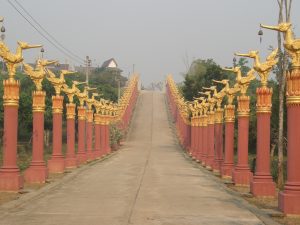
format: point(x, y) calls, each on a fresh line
point(88, 62)
point(133, 68)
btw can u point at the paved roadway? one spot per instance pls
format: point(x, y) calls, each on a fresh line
point(149, 182)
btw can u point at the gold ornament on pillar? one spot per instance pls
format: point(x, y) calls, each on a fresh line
point(263, 69)
point(37, 75)
point(58, 82)
point(291, 44)
point(13, 60)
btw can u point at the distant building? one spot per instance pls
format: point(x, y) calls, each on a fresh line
point(111, 63)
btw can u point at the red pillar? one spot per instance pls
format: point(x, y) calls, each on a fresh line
point(57, 162)
point(204, 139)
point(228, 164)
point(218, 140)
point(242, 174)
point(262, 183)
point(81, 153)
point(97, 152)
point(10, 178)
point(89, 135)
point(199, 140)
point(289, 199)
point(37, 171)
point(71, 161)
point(193, 138)
point(210, 141)
point(107, 135)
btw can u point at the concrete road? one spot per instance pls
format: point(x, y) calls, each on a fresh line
point(149, 182)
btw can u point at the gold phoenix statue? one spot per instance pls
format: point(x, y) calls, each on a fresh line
point(80, 95)
point(70, 92)
point(12, 60)
point(221, 94)
point(212, 101)
point(58, 83)
point(291, 44)
point(263, 69)
point(89, 101)
point(38, 73)
point(242, 82)
point(230, 92)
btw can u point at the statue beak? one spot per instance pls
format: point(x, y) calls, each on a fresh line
point(269, 27)
point(51, 62)
point(240, 54)
point(33, 46)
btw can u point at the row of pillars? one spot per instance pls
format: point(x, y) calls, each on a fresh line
point(202, 136)
point(93, 135)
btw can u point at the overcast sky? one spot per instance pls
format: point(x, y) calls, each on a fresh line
point(158, 36)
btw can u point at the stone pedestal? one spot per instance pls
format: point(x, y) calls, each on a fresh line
point(228, 164)
point(57, 162)
point(262, 184)
point(71, 161)
point(81, 153)
point(210, 141)
point(37, 171)
point(218, 140)
point(97, 151)
point(242, 174)
point(10, 178)
point(204, 140)
point(289, 199)
point(89, 135)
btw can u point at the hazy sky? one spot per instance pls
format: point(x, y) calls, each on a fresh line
point(155, 35)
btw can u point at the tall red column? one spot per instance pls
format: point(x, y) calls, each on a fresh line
point(204, 139)
point(218, 140)
point(193, 138)
point(107, 135)
point(289, 199)
point(71, 161)
point(97, 151)
point(57, 162)
point(199, 140)
point(262, 183)
point(89, 135)
point(228, 164)
point(211, 140)
point(81, 153)
point(242, 174)
point(37, 171)
point(10, 178)
point(102, 136)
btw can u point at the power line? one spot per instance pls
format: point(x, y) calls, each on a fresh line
point(44, 36)
point(39, 25)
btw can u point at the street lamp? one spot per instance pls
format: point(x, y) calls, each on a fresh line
point(2, 36)
point(42, 51)
point(260, 34)
point(234, 62)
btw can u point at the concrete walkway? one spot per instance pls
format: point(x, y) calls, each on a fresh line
point(149, 182)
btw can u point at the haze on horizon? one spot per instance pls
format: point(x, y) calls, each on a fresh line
point(158, 37)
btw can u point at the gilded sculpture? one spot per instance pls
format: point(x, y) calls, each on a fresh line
point(291, 44)
point(263, 69)
point(38, 73)
point(13, 60)
point(242, 82)
point(70, 92)
point(58, 83)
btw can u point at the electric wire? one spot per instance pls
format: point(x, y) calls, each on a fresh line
point(44, 36)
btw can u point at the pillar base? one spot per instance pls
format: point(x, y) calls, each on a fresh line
point(209, 162)
point(90, 156)
point(227, 170)
point(263, 186)
point(217, 166)
point(56, 164)
point(10, 180)
point(36, 173)
point(71, 163)
point(289, 202)
point(97, 154)
point(81, 158)
point(242, 177)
